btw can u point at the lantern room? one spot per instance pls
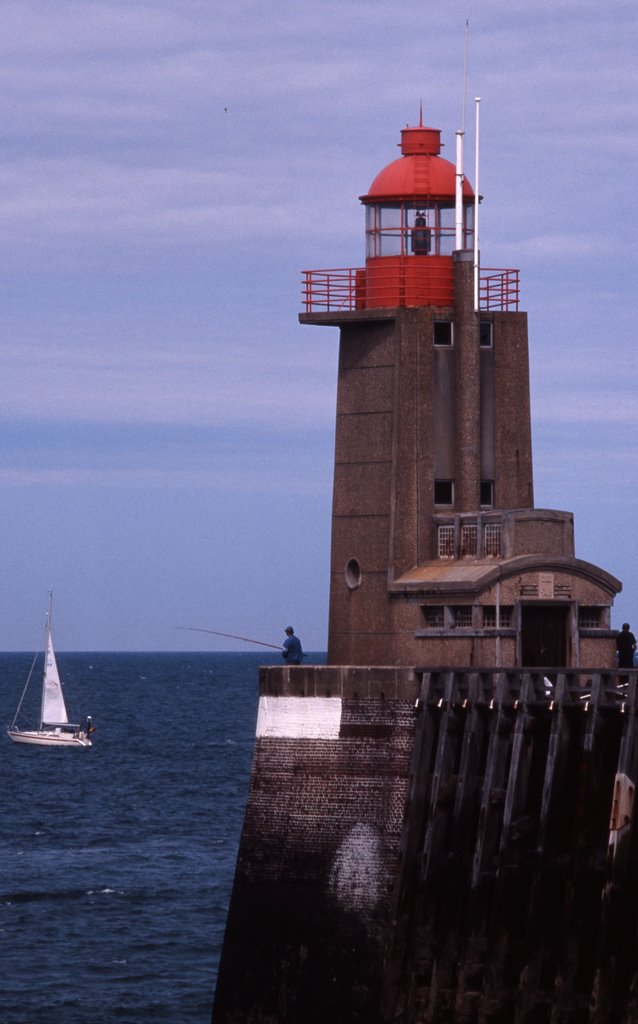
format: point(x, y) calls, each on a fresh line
point(411, 205)
point(415, 219)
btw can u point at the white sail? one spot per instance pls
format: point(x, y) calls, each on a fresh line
point(54, 729)
point(53, 707)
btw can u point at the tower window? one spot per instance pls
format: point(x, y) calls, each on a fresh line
point(443, 492)
point(489, 616)
point(486, 333)
point(487, 493)
point(463, 616)
point(492, 540)
point(352, 574)
point(505, 616)
point(446, 541)
point(468, 540)
point(443, 332)
point(434, 616)
point(590, 618)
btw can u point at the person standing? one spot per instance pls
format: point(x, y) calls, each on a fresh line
point(625, 647)
point(291, 650)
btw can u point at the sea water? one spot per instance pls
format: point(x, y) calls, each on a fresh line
point(116, 862)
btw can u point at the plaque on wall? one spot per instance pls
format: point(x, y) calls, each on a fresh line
point(546, 585)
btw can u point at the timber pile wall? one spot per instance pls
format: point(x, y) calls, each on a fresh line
point(437, 846)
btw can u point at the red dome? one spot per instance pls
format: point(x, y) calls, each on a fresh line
point(420, 173)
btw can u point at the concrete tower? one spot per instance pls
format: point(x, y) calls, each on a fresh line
point(441, 822)
point(438, 554)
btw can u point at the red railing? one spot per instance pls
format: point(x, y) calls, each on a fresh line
point(499, 289)
point(329, 290)
point(341, 290)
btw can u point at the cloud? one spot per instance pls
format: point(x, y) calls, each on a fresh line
point(127, 101)
point(220, 384)
point(589, 406)
point(559, 246)
point(267, 476)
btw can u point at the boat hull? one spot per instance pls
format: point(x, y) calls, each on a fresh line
point(49, 738)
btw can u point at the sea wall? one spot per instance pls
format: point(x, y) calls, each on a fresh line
point(309, 912)
point(437, 847)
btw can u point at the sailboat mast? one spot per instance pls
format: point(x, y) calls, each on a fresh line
point(47, 634)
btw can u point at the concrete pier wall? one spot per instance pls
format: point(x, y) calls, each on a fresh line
point(307, 925)
point(437, 846)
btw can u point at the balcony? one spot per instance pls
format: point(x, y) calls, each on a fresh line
point(344, 290)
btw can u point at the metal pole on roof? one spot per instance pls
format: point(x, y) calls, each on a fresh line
point(458, 198)
point(498, 624)
point(477, 102)
point(460, 159)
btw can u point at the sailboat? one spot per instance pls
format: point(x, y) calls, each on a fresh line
point(54, 729)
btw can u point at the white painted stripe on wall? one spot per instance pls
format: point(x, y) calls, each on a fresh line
point(312, 718)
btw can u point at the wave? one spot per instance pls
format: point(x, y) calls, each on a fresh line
point(55, 895)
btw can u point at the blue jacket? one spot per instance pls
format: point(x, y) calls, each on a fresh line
point(292, 651)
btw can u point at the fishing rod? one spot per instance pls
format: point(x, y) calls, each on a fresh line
point(233, 636)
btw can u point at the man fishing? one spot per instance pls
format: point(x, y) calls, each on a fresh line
point(291, 650)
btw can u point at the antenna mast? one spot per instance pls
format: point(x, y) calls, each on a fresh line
point(467, 36)
point(477, 102)
point(460, 159)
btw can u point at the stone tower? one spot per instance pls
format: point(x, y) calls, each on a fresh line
point(438, 554)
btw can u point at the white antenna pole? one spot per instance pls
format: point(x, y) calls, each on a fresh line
point(458, 197)
point(477, 101)
point(498, 625)
point(460, 157)
point(467, 33)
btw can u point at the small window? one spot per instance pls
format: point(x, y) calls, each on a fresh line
point(434, 617)
point(505, 616)
point(443, 492)
point(485, 333)
point(352, 573)
point(445, 535)
point(492, 540)
point(463, 616)
point(590, 618)
point(468, 540)
point(487, 493)
point(443, 332)
point(489, 616)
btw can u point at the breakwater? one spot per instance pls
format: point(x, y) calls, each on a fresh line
point(436, 846)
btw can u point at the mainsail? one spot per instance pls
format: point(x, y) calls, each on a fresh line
point(53, 707)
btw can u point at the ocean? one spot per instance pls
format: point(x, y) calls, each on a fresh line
point(116, 862)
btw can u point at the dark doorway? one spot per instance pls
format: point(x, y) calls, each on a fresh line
point(544, 635)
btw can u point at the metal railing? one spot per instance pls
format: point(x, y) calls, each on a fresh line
point(499, 289)
point(342, 289)
point(330, 290)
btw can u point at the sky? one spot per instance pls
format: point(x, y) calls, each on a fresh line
point(169, 167)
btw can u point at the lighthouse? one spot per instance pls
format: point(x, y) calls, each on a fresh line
point(438, 554)
point(440, 823)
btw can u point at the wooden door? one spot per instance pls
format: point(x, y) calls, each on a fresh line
point(544, 635)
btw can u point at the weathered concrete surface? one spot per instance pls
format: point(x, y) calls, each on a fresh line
point(311, 901)
point(415, 416)
point(437, 847)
